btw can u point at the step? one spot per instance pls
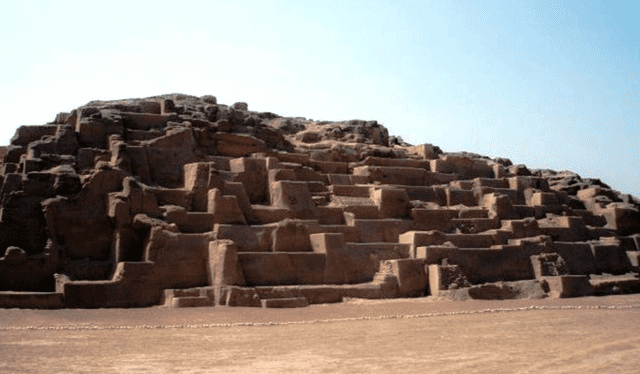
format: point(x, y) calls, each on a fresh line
point(31, 300)
point(191, 302)
point(188, 297)
point(615, 284)
point(289, 302)
point(197, 222)
point(350, 190)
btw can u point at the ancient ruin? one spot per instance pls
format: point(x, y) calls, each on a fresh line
point(180, 201)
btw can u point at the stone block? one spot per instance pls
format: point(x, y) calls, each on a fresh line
point(360, 179)
point(295, 197)
point(238, 145)
point(544, 198)
point(548, 265)
point(225, 209)
point(517, 197)
point(27, 134)
point(150, 107)
point(359, 262)
point(464, 167)
point(190, 302)
point(564, 286)
point(330, 215)
point(237, 189)
point(197, 222)
point(625, 220)
point(38, 183)
point(525, 289)
point(564, 228)
point(578, 256)
point(327, 242)
point(91, 133)
point(13, 154)
point(634, 258)
point(171, 196)
point(391, 202)
point(491, 182)
point(417, 239)
point(289, 302)
point(609, 258)
point(467, 213)
point(196, 180)
point(340, 179)
point(615, 284)
point(253, 174)
point(482, 265)
point(168, 154)
point(484, 240)
point(223, 268)
point(81, 222)
point(359, 212)
point(445, 277)
point(521, 183)
point(147, 121)
point(307, 174)
point(292, 236)
point(298, 158)
point(242, 297)
point(436, 179)
point(31, 300)
point(630, 243)
point(330, 167)
point(127, 245)
point(350, 190)
point(426, 151)
point(433, 219)
point(521, 228)
point(381, 230)
point(119, 209)
point(334, 247)
point(433, 194)
point(179, 260)
point(462, 184)
point(474, 225)
point(248, 238)
point(263, 214)
point(269, 269)
point(15, 256)
point(85, 294)
point(282, 175)
point(412, 278)
point(440, 166)
point(392, 175)
point(499, 171)
point(500, 204)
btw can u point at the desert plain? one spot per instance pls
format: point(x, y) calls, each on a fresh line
point(576, 335)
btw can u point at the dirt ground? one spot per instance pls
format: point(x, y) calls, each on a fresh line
point(582, 335)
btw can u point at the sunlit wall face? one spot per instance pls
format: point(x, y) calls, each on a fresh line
point(552, 85)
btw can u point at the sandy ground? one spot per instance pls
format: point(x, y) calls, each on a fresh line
point(582, 335)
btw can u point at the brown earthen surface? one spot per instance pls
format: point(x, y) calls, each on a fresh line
point(360, 336)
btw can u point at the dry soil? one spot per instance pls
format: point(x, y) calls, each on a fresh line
point(582, 335)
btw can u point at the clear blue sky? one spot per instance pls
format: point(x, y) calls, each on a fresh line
point(550, 84)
